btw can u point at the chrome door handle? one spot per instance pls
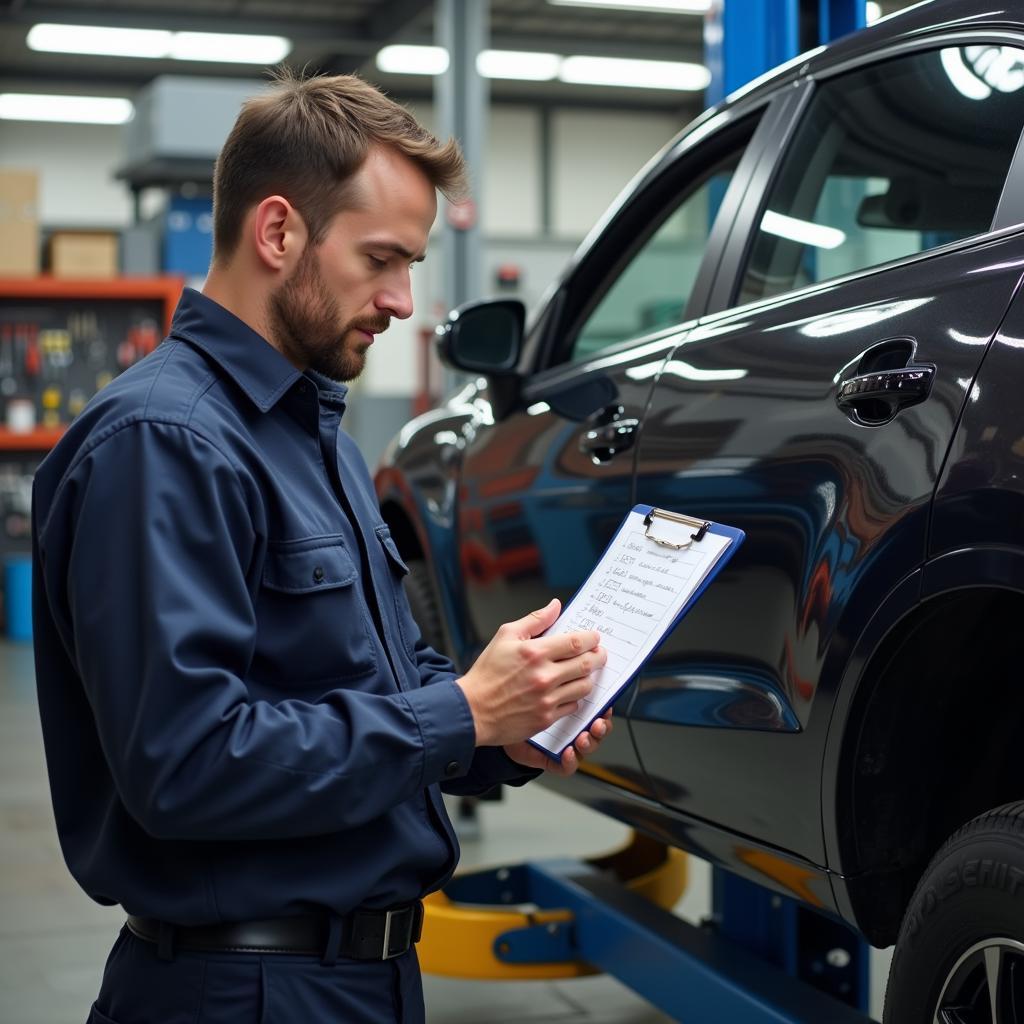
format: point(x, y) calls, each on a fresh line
point(875, 398)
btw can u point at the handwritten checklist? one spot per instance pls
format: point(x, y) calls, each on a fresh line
point(632, 598)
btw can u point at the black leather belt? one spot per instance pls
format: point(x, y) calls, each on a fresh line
point(360, 935)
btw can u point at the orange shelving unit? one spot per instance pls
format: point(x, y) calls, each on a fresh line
point(168, 289)
point(163, 290)
point(42, 439)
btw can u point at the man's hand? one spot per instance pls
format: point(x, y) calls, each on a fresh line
point(586, 743)
point(523, 682)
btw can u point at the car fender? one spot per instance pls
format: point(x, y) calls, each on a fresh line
point(899, 603)
point(417, 484)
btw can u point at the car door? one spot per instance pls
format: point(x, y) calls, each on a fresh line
point(814, 411)
point(544, 486)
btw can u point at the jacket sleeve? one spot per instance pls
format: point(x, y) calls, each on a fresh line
point(146, 552)
point(490, 766)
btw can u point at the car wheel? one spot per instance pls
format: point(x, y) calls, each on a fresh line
point(426, 609)
point(959, 957)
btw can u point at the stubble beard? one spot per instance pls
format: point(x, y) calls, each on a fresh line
point(304, 320)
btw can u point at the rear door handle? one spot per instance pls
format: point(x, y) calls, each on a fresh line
point(603, 443)
point(875, 398)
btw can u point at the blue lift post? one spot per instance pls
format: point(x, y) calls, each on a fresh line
point(743, 39)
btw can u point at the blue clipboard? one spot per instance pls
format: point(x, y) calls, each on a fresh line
point(702, 528)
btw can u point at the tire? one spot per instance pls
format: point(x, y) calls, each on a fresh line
point(962, 938)
point(426, 609)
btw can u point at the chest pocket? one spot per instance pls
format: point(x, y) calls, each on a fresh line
point(399, 570)
point(313, 624)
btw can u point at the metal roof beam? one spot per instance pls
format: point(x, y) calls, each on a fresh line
point(389, 20)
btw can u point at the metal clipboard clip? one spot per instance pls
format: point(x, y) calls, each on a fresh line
point(674, 517)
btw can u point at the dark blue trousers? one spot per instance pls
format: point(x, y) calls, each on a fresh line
point(243, 988)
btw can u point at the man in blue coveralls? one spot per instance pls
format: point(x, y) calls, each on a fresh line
point(246, 736)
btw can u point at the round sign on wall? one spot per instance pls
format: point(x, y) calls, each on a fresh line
point(461, 215)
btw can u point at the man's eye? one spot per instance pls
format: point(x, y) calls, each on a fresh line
point(377, 263)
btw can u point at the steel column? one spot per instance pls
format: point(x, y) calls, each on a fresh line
point(461, 98)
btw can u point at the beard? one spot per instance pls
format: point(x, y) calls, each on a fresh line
point(305, 321)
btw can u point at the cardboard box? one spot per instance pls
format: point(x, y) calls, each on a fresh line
point(83, 254)
point(19, 223)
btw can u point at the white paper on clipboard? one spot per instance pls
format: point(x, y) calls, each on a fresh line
point(633, 597)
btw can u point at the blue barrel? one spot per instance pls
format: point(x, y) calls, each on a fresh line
point(18, 597)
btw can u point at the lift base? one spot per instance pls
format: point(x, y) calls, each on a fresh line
point(586, 918)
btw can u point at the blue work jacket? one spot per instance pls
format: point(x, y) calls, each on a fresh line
point(240, 717)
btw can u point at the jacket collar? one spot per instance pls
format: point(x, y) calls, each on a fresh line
point(262, 372)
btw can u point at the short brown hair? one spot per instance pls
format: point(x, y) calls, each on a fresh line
point(304, 139)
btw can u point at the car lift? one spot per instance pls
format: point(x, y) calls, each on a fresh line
point(762, 958)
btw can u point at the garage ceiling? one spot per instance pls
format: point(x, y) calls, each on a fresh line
point(344, 35)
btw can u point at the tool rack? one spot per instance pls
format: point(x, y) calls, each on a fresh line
point(61, 340)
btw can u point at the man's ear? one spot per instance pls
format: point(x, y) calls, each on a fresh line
point(279, 233)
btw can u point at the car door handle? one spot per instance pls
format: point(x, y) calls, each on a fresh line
point(875, 398)
point(604, 442)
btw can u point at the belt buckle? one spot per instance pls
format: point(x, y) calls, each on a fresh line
point(385, 954)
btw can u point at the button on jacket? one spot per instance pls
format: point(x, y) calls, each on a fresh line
point(240, 717)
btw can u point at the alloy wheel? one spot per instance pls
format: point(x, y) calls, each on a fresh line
point(985, 986)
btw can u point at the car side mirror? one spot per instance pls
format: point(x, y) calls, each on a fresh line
point(483, 337)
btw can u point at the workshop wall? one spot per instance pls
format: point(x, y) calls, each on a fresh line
point(76, 165)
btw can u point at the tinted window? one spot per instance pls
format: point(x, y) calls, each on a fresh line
point(890, 161)
point(652, 290)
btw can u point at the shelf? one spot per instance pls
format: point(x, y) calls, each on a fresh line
point(166, 289)
point(164, 172)
point(120, 295)
point(40, 440)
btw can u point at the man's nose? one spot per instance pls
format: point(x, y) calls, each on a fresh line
point(397, 300)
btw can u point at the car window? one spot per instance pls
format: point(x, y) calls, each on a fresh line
point(652, 290)
point(890, 161)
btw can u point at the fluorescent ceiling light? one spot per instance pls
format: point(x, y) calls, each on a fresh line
point(537, 67)
point(643, 74)
point(229, 48)
point(802, 231)
point(517, 64)
point(92, 39)
point(220, 47)
point(963, 78)
point(654, 6)
point(977, 71)
point(413, 60)
point(19, 106)
point(1002, 67)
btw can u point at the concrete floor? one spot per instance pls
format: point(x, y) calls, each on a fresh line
point(54, 940)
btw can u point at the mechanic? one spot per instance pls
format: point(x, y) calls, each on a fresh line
point(246, 737)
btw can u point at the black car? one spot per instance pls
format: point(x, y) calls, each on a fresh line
point(802, 319)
